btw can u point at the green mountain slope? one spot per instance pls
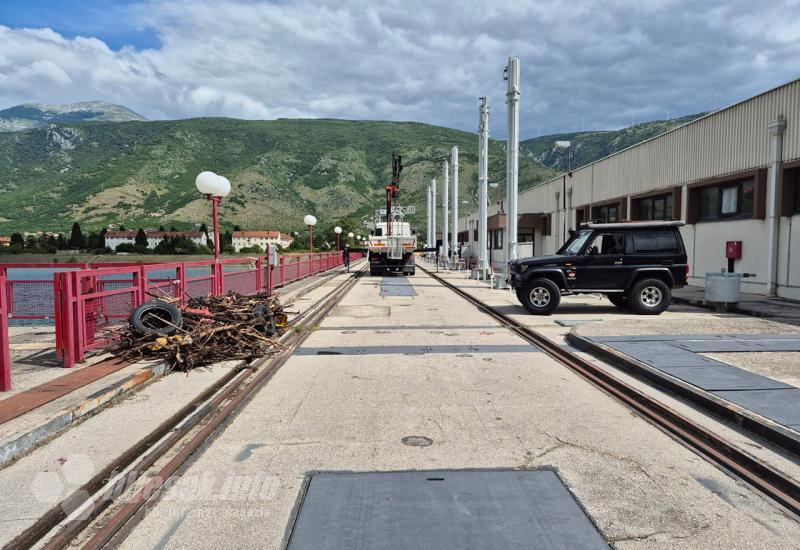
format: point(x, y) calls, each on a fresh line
point(588, 147)
point(142, 173)
point(35, 115)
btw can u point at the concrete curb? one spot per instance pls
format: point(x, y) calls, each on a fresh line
point(731, 308)
point(18, 445)
point(776, 434)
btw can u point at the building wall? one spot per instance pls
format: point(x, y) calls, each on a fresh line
point(732, 140)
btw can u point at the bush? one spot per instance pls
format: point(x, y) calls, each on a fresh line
point(254, 249)
point(203, 249)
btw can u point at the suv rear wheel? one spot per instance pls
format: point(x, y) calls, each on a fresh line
point(540, 296)
point(649, 297)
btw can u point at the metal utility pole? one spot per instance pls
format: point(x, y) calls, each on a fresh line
point(483, 158)
point(428, 220)
point(512, 158)
point(454, 207)
point(433, 213)
point(445, 239)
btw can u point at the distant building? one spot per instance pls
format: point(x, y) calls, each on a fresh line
point(115, 238)
point(244, 239)
point(5, 241)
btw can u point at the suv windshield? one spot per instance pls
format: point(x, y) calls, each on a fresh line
point(576, 245)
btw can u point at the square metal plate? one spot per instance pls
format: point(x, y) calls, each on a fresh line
point(441, 510)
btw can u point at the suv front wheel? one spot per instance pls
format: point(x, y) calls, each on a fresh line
point(649, 297)
point(540, 296)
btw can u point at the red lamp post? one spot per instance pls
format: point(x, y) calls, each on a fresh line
point(214, 187)
point(310, 221)
point(338, 231)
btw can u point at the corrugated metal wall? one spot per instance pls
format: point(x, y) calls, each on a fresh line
point(731, 140)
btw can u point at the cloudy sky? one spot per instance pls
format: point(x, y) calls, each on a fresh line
point(586, 64)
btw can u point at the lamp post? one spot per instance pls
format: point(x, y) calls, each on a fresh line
point(214, 187)
point(338, 231)
point(568, 146)
point(310, 221)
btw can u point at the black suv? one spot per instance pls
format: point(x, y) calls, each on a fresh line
point(635, 264)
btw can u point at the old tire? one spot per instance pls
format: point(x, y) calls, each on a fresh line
point(649, 297)
point(540, 296)
point(156, 318)
point(619, 300)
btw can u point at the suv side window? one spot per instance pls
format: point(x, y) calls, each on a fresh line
point(655, 242)
point(608, 242)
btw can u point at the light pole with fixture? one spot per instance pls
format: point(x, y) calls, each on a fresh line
point(338, 231)
point(215, 188)
point(310, 221)
point(568, 146)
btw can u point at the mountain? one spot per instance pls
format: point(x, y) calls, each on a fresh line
point(590, 146)
point(141, 174)
point(34, 115)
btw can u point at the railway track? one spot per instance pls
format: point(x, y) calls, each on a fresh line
point(770, 482)
point(109, 505)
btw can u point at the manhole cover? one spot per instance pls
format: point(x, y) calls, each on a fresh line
point(383, 331)
point(417, 441)
point(477, 509)
point(348, 332)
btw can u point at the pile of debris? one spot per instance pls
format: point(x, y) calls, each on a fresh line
point(204, 330)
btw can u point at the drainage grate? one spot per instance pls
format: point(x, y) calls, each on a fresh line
point(479, 509)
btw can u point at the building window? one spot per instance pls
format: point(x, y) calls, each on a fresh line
point(793, 177)
point(498, 239)
point(475, 235)
point(580, 216)
point(525, 236)
point(654, 208)
point(728, 200)
point(609, 213)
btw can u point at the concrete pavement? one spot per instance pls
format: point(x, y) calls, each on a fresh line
point(383, 368)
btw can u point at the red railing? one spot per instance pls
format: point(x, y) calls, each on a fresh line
point(91, 303)
point(5, 355)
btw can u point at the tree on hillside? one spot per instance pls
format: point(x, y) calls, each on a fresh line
point(141, 238)
point(161, 228)
point(122, 228)
point(61, 242)
point(76, 239)
point(17, 241)
point(172, 228)
point(203, 228)
point(95, 241)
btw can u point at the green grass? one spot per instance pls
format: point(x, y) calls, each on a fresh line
point(141, 174)
point(588, 147)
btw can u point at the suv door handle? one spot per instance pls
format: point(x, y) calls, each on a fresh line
point(618, 261)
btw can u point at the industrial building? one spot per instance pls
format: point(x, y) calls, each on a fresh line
point(731, 176)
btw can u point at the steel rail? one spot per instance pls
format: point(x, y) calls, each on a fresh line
point(163, 438)
point(152, 488)
point(766, 479)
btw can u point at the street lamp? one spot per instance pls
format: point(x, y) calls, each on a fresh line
point(568, 146)
point(214, 187)
point(310, 221)
point(338, 231)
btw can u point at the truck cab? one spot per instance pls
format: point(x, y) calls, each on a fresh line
point(392, 253)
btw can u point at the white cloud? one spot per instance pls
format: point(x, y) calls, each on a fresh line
point(582, 63)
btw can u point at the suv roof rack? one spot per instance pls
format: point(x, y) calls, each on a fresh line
point(631, 225)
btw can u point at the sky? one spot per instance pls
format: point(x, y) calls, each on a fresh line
point(585, 64)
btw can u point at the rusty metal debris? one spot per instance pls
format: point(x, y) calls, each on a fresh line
point(204, 331)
